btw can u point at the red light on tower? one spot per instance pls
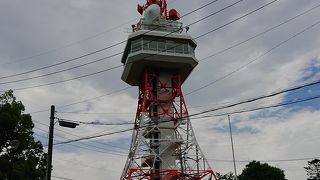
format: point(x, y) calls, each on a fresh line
point(174, 15)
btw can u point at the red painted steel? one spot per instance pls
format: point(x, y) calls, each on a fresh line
point(172, 15)
point(175, 109)
point(147, 97)
point(170, 174)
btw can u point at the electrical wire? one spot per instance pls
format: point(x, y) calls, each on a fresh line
point(81, 164)
point(203, 112)
point(96, 122)
point(253, 60)
point(223, 107)
point(116, 54)
point(63, 70)
point(98, 142)
point(85, 100)
point(73, 43)
point(96, 136)
point(97, 148)
point(97, 51)
point(219, 52)
point(82, 147)
point(267, 161)
point(259, 97)
point(238, 69)
point(66, 80)
point(215, 109)
point(58, 177)
point(220, 114)
point(118, 66)
point(261, 33)
point(263, 107)
point(69, 44)
point(245, 15)
point(97, 113)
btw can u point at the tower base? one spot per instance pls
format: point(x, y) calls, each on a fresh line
point(163, 144)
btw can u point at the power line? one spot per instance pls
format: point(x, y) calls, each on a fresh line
point(96, 136)
point(97, 148)
point(238, 111)
point(259, 97)
point(224, 50)
point(219, 52)
point(57, 177)
point(63, 70)
point(63, 62)
point(218, 108)
point(85, 100)
point(80, 147)
point(223, 77)
point(119, 53)
point(126, 130)
point(97, 51)
point(264, 107)
point(73, 43)
point(274, 160)
point(115, 67)
point(98, 142)
point(221, 114)
point(67, 80)
point(261, 33)
point(245, 15)
point(69, 44)
point(95, 113)
point(203, 112)
point(228, 113)
point(97, 97)
point(97, 122)
point(255, 59)
point(83, 165)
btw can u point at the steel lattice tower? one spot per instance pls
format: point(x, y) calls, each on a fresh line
point(158, 58)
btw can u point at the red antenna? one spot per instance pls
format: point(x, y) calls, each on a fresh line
point(172, 15)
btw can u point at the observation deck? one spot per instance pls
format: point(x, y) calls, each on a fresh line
point(159, 44)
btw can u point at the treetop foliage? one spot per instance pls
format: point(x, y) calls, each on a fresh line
point(313, 169)
point(257, 171)
point(27, 160)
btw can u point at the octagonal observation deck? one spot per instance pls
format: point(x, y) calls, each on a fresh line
point(159, 44)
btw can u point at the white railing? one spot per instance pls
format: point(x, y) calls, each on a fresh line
point(160, 25)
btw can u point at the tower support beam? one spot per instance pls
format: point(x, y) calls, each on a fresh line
point(163, 144)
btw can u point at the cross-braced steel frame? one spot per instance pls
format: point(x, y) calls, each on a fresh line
point(163, 142)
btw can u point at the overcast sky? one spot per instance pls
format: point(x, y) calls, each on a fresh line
point(39, 33)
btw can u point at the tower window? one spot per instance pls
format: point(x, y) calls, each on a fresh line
point(136, 45)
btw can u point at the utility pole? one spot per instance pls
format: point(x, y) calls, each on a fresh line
point(234, 161)
point(50, 144)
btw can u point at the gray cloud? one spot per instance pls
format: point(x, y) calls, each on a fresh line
point(52, 31)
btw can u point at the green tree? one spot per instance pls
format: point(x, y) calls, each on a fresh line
point(228, 176)
point(26, 161)
point(313, 169)
point(257, 171)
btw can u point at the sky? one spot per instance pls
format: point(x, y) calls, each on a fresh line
point(274, 48)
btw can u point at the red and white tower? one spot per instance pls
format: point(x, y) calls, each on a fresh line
point(158, 58)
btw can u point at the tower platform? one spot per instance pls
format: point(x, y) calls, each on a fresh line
point(158, 49)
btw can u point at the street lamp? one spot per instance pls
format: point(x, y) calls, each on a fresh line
point(50, 143)
point(67, 124)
